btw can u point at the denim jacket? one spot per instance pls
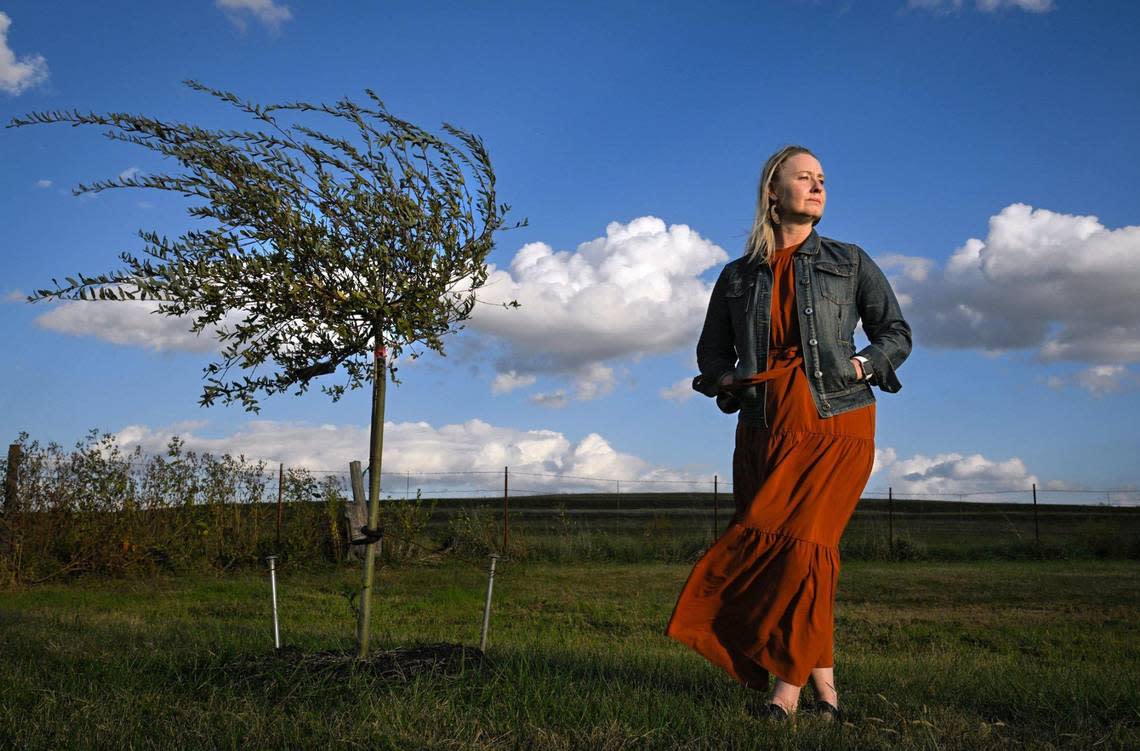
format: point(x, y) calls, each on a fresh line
point(837, 285)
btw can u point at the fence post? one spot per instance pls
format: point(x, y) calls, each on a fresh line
point(506, 510)
point(1036, 528)
point(716, 508)
point(280, 500)
point(891, 519)
point(11, 484)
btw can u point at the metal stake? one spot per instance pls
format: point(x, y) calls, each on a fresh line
point(1036, 528)
point(280, 501)
point(272, 561)
point(487, 606)
point(506, 507)
point(716, 507)
point(891, 519)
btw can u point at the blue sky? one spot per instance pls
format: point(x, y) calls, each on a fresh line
point(983, 152)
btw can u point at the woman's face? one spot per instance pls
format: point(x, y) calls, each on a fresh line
point(798, 189)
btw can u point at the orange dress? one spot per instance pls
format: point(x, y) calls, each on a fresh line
point(761, 599)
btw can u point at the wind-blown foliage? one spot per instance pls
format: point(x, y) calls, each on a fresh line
point(320, 252)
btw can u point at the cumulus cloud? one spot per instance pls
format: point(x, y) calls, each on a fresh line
point(505, 383)
point(554, 399)
point(14, 295)
point(679, 392)
point(883, 457)
point(268, 12)
point(44, 183)
point(936, 6)
point(425, 452)
point(1031, 6)
point(1060, 485)
point(949, 474)
point(1099, 380)
point(17, 75)
point(128, 173)
point(986, 6)
point(633, 292)
point(974, 477)
point(593, 381)
point(1059, 285)
point(131, 322)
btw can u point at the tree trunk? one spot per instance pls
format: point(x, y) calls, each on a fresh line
point(375, 451)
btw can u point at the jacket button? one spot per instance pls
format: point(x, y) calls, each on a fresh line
point(807, 311)
point(804, 281)
point(819, 374)
point(812, 342)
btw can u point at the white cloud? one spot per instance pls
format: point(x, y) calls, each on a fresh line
point(132, 323)
point(633, 292)
point(268, 12)
point(1031, 6)
point(883, 457)
point(17, 75)
point(936, 6)
point(1099, 380)
point(593, 381)
point(420, 449)
point(1059, 485)
point(138, 323)
point(679, 392)
point(1059, 285)
point(554, 399)
point(949, 474)
point(943, 7)
point(912, 268)
point(505, 383)
point(128, 173)
point(44, 183)
point(15, 296)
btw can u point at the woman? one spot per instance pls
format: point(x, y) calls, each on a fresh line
point(778, 345)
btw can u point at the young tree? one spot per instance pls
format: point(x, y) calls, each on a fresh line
point(326, 253)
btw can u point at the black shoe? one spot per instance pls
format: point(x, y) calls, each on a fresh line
point(826, 711)
point(776, 713)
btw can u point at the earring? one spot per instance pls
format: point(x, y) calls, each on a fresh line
point(773, 214)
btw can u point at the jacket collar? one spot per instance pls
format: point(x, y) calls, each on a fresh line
point(809, 248)
point(811, 244)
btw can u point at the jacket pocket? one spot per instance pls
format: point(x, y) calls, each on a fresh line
point(738, 297)
point(836, 281)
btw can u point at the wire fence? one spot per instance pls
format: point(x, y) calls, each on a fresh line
point(93, 509)
point(482, 484)
point(589, 516)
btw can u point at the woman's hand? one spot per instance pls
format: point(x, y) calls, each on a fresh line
point(858, 369)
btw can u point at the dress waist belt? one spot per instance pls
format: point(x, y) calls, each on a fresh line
point(791, 355)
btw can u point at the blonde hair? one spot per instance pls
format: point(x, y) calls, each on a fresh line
point(762, 238)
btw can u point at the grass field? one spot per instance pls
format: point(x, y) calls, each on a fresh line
point(949, 655)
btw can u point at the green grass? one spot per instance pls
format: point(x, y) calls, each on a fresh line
point(952, 655)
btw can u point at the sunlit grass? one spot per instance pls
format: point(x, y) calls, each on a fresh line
point(992, 655)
